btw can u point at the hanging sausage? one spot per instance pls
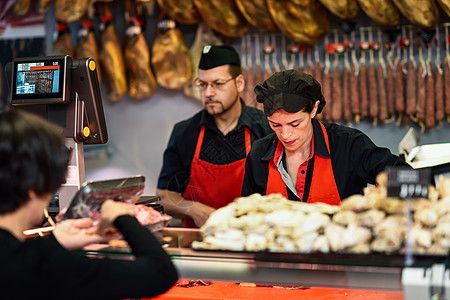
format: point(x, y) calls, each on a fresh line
point(336, 86)
point(354, 83)
point(346, 97)
point(247, 70)
point(309, 63)
point(257, 14)
point(275, 66)
point(111, 56)
point(363, 78)
point(390, 81)
point(267, 51)
point(317, 73)
point(301, 21)
point(439, 82)
point(421, 89)
point(326, 85)
point(182, 11)
point(383, 115)
point(410, 86)
point(399, 84)
point(446, 71)
point(259, 73)
point(372, 81)
point(284, 62)
point(430, 106)
point(223, 17)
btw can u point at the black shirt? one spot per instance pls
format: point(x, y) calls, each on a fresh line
point(43, 269)
point(216, 149)
point(355, 159)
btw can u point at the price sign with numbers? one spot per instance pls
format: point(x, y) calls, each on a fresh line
point(408, 183)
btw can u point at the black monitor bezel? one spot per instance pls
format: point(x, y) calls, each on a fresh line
point(63, 96)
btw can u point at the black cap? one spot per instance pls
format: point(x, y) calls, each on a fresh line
point(290, 90)
point(216, 56)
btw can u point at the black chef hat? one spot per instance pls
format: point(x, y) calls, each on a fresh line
point(290, 90)
point(216, 56)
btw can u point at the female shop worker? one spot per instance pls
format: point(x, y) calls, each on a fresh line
point(33, 163)
point(307, 160)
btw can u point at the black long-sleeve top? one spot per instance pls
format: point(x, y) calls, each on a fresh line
point(43, 269)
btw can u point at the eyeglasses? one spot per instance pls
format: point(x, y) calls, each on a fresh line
point(215, 85)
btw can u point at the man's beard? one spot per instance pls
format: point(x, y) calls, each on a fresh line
point(214, 110)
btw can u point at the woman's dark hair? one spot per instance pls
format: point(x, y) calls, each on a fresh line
point(32, 157)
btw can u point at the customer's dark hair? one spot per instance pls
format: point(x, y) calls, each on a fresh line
point(32, 157)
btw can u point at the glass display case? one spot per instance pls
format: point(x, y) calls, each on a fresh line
point(425, 277)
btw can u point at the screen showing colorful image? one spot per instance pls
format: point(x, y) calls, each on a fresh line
point(38, 78)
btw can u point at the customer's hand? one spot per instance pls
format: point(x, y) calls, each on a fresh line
point(109, 211)
point(77, 233)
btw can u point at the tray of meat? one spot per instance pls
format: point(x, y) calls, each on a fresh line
point(150, 217)
point(87, 201)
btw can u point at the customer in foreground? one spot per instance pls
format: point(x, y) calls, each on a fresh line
point(33, 163)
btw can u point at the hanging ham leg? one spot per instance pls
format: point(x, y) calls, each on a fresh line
point(63, 43)
point(141, 81)
point(86, 45)
point(111, 56)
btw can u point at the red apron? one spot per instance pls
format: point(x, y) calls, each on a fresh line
point(323, 186)
point(214, 185)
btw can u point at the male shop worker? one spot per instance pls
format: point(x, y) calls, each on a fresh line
point(306, 160)
point(203, 164)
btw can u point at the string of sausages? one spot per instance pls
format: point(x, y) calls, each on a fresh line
point(370, 76)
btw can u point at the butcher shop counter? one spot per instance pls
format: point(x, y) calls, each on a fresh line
point(385, 275)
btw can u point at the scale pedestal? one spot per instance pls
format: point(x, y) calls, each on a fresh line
point(75, 173)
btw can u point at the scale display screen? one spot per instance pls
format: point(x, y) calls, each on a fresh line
point(40, 80)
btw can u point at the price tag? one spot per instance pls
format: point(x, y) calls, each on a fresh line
point(407, 183)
